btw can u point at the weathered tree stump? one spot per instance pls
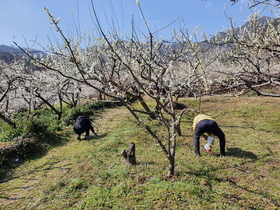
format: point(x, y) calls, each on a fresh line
point(129, 154)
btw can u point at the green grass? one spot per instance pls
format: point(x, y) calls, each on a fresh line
point(91, 174)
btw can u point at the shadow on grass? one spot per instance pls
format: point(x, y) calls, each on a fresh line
point(27, 149)
point(92, 137)
point(237, 152)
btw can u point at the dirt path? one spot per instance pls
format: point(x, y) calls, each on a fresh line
point(37, 174)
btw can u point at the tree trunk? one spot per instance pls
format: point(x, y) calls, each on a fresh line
point(146, 107)
point(129, 154)
point(172, 150)
point(58, 112)
point(8, 120)
point(178, 129)
point(171, 167)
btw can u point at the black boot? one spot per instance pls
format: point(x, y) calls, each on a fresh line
point(197, 153)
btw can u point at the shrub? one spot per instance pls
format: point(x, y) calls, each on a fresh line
point(36, 131)
point(70, 115)
point(18, 152)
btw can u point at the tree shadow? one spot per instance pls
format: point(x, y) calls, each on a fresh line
point(27, 149)
point(92, 137)
point(237, 152)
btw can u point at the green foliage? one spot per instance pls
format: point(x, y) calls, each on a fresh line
point(12, 135)
point(40, 126)
point(70, 115)
point(37, 130)
point(41, 123)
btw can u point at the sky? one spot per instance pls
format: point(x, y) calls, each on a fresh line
point(22, 21)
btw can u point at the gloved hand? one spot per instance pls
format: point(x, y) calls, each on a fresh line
point(95, 134)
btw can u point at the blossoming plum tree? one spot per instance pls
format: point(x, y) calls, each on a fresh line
point(254, 52)
point(125, 69)
point(10, 79)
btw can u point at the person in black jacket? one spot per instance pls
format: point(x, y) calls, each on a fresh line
point(206, 125)
point(82, 125)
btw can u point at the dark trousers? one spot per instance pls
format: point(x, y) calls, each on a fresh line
point(82, 130)
point(209, 126)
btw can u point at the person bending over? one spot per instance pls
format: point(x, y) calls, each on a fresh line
point(82, 125)
point(206, 125)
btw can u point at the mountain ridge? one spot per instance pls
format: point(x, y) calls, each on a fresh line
point(9, 53)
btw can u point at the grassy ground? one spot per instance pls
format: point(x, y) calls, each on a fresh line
point(91, 174)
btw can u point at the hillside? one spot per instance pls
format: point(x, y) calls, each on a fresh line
point(223, 35)
point(8, 53)
point(91, 174)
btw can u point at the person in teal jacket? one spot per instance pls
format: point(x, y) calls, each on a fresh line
point(206, 125)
